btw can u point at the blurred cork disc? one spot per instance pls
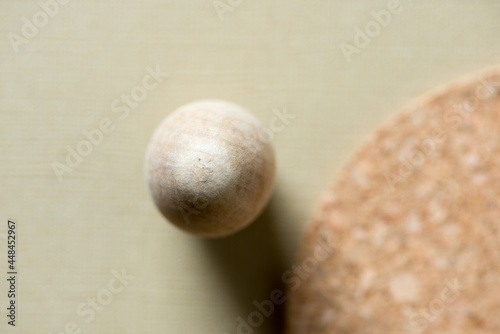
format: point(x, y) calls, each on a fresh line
point(407, 240)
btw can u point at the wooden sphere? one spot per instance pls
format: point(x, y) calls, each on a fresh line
point(210, 168)
point(407, 240)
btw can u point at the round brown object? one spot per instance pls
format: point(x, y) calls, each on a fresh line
point(210, 168)
point(407, 240)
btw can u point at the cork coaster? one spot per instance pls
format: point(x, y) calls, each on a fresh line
point(407, 240)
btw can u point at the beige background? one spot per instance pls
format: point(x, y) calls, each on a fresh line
point(264, 55)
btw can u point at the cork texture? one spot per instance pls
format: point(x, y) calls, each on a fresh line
point(409, 231)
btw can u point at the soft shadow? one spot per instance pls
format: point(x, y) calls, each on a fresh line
point(252, 262)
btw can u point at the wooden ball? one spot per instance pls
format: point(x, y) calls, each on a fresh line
point(210, 168)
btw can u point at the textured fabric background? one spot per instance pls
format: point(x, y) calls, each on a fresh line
point(68, 73)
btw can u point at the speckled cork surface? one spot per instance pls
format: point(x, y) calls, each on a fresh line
point(407, 239)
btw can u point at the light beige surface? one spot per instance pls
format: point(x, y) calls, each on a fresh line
point(264, 55)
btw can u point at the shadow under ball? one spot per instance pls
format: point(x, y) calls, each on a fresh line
point(210, 168)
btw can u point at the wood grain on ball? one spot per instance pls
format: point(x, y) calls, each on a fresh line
point(210, 169)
